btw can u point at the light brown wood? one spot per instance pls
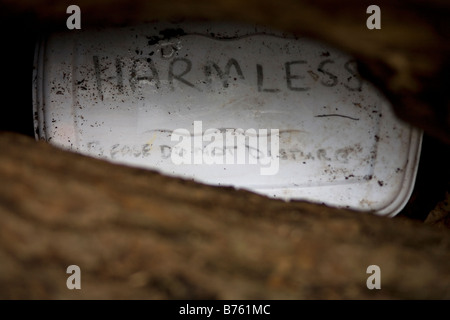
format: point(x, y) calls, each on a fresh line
point(138, 234)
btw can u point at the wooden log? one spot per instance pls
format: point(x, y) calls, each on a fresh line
point(138, 234)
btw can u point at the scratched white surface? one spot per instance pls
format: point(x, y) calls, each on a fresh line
point(118, 94)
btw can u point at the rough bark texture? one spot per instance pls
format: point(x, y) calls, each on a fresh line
point(439, 216)
point(138, 234)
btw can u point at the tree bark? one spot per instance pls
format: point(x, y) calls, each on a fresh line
point(138, 234)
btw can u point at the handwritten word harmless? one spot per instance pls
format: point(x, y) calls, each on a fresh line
point(182, 73)
point(232, 139)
